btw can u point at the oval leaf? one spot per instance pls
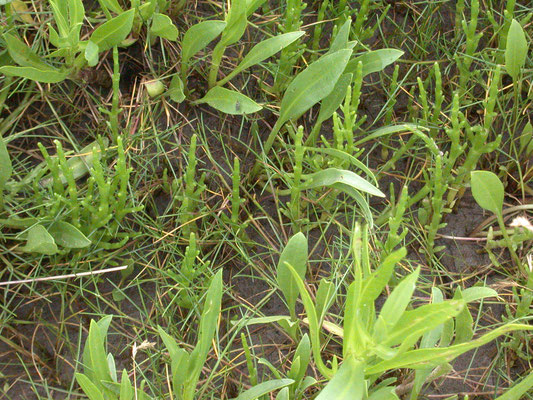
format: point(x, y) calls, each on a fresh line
point(516, 50)
point(175, 90)
point(332, 176)
point(162, 26)
point(114, 31)
point(262, 51)
point(374, 61)
point(229, 101)
point(34, 74)
point(312, 85)
point(40, 241)
point(487, 190)
point(68, 236)
point(91, 53)
point(198, 36)
point(294, 254)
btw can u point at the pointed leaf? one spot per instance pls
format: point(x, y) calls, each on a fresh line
point(47, 75)
point(68, 236)
point(175, 90)
point(294, 254)
point(312, 85)
point(262, 51)
point(332, 176)
point(162, 26)
point(89, 388)
point(333, 101)
point(40, 241)
point(198, 37)
point(374, 61)
point(229, 101)
point(114, 31)
point(264, 388)
point(516, 50)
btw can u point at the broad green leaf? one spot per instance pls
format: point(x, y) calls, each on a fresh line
point(312, 85)
point(518, 389)
point(294, 254)
point(114, 31)
point(341, 39)
point(236, 23)
point(229, 101)
point(343, 155)
point(35, 74)
point(487, 190)
point(347, 384)
point(95, 341)
point(262, 51)
point(385, 393)
point(6, 168)
point(516, 50)
point(423, 358)
point(22, 54)
point(102, 327)
point(398, 300)
point(375, 283)
point(112, 5)
point(423, 319)
point(91, 53)
point(331, 176)
point(476, 293)
point(198, 37)
point(126, 388)
point(463, 322)
point(162, 26)
point(68, 236)
point(374, 61)
point(40, 241)
point(252, 5)
point(283, 394)
point(89, 388)
point(208, 325)
point(263, 389)
point(175, 90)
point(332, 102)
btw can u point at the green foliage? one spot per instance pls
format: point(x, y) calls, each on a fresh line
point(516, 50)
